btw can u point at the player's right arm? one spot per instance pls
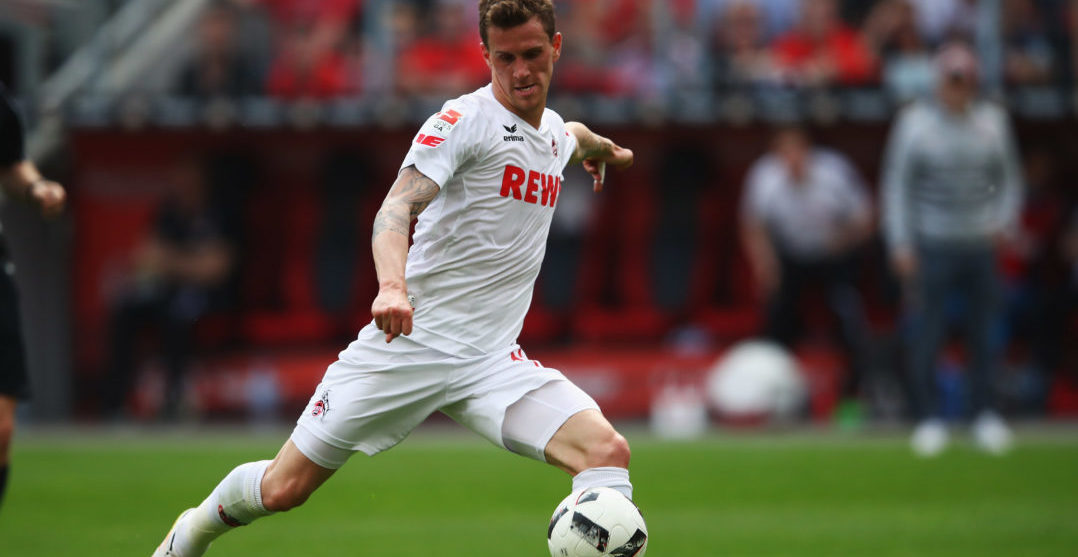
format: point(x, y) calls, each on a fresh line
point(410, 194)
point(19, 177)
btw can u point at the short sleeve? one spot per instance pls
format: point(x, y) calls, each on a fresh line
point(443, 144)
point(568, 147)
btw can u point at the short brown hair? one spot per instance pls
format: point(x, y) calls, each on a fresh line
point(510, 13)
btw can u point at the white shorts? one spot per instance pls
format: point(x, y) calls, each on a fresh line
point(377, 393)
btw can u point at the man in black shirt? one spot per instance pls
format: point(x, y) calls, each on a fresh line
point(20, 179)
point(177, 272)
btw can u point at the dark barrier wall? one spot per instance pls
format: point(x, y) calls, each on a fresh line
point(657, 249)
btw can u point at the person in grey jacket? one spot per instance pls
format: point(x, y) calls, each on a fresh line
point(951, 193)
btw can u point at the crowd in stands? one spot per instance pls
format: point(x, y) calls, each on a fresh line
point(644, 49)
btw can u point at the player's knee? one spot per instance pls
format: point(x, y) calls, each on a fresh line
point(285, 495)
point(612, 450)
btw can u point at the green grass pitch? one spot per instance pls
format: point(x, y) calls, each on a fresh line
point(441, 493)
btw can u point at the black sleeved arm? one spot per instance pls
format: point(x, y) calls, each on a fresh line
point(11, 132)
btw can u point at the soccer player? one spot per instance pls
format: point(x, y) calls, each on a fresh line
point(482, 177)
point(20, 179)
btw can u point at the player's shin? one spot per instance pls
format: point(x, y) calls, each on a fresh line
point(605, 476)
point(236, 501)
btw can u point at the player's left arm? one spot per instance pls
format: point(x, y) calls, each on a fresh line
point(596, 151)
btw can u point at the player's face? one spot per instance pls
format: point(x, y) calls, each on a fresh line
point(521, 61)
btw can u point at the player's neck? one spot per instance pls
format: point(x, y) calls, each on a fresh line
point(533, 118)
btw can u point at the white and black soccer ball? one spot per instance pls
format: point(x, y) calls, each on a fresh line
point(597, 521)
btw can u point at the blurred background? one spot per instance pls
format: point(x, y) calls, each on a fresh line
point(225, 159)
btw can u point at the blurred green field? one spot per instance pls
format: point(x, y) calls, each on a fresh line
point(115, 494)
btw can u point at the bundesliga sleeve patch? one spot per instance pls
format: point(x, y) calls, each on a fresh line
point(437, 128)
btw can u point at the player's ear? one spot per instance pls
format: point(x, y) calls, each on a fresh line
point(557, 46)
point(486, 54)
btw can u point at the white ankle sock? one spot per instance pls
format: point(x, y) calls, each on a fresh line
point(236, 501)
point(606, 476)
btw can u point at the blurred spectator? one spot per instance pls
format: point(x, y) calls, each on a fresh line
point(301, 70)
point(805, 217)
point(822, 51)
point(681, 48)
point(1028, 57)
point(1033, 280)
point(940, 20)
point(741, 57)
point(952, 189)
point(776, 16)
point(447, 60)
point(630, 32)
point(909, 70)
point(218, 68)
point(176, 274)
point(583, 67)
point(310, 35)
point(328, 20)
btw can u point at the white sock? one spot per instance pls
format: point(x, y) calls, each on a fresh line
point(606, 476)
point(236, 501)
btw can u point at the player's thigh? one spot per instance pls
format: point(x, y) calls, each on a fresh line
point(533, 421)
point(587, 440)
point(514, 402)
point(370, 401)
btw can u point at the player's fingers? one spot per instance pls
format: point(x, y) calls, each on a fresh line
point(395, 324)
point(406, 324)
point(388, 326)
point(378, 320)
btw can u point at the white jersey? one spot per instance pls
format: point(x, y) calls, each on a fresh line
point(478, 246)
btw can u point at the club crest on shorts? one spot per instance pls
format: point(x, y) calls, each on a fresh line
point(321, 408)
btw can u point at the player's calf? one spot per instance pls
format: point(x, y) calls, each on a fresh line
point(588, 448)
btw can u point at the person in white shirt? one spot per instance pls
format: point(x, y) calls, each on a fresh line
point(483, 177)
point(805, 216)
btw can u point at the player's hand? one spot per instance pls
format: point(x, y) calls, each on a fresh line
point(617, 156)
point(49, 197)
point(392, 313)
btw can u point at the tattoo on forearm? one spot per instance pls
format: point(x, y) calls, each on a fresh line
point(410, 194)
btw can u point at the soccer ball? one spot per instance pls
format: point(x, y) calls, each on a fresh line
point(597, 521)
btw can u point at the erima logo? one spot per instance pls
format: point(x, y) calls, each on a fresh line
point(512, 129)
